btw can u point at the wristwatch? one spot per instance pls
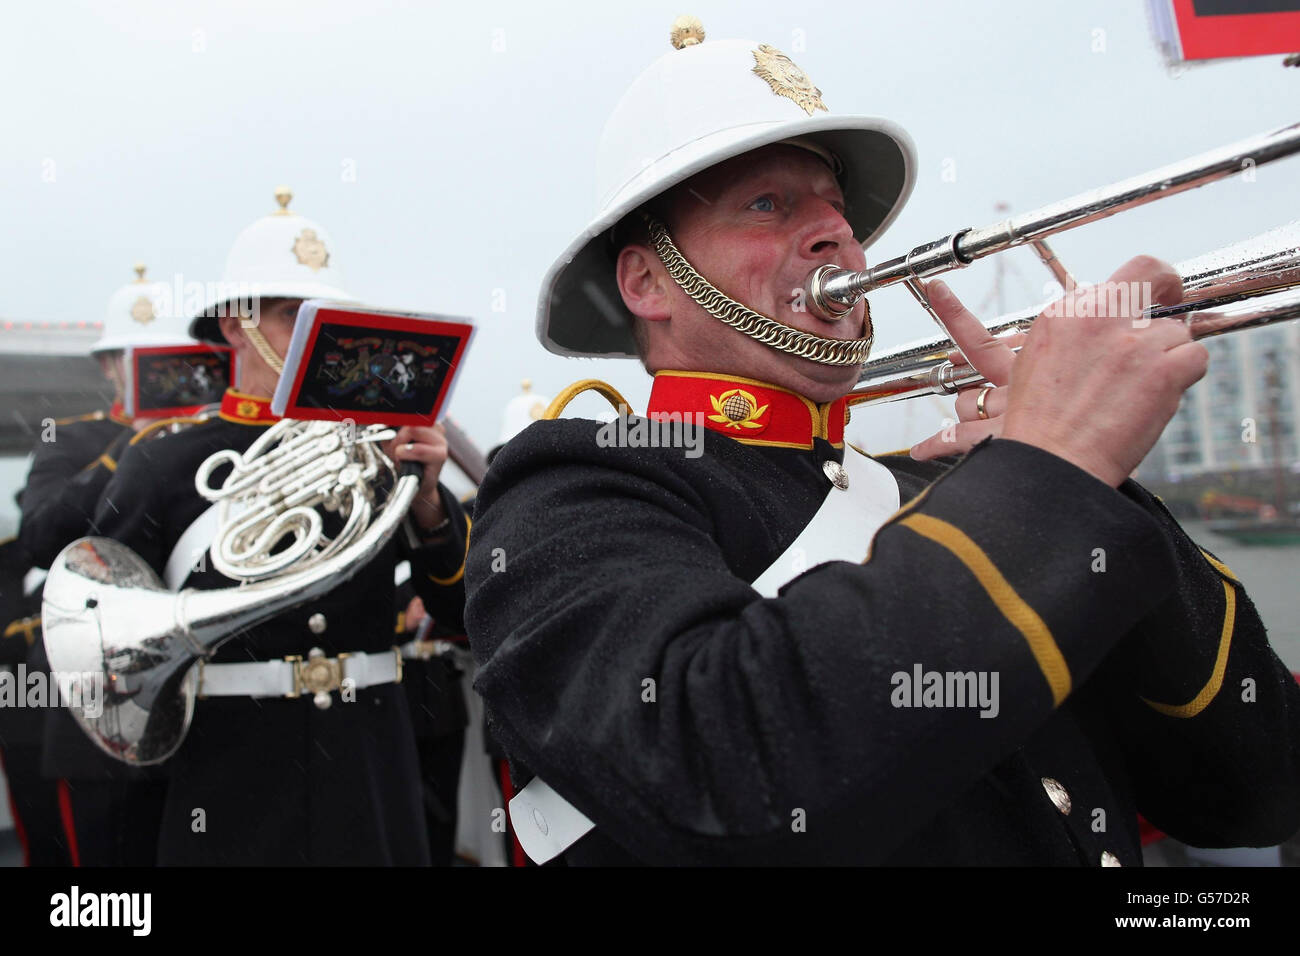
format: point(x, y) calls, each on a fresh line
point(418, 537)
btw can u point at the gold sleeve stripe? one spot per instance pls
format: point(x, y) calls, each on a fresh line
point(108, 462)
point(460, 572)
point(448, 582)
point(1211, 688)
point(571, 392)
point(1220, 567)
point(1013, 607)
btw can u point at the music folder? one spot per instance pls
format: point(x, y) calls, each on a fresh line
point(175, 380)
point(370, 365)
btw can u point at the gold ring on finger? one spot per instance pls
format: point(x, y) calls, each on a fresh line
point(979, 401)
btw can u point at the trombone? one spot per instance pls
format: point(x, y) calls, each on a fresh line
point(1248, 284)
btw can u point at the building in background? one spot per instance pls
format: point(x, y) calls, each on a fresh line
point(46, 373)
point(1237, 431)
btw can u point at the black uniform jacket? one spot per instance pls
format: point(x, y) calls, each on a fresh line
point(771, 733)
point(281, 780)
point(20, 630)
point(68, 475)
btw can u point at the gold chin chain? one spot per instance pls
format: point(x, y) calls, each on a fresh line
point(770, 332)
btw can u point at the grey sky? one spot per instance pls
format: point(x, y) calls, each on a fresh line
point(471, 130)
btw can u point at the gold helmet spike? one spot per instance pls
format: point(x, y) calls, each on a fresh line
point(686, 31)
point(139, 271)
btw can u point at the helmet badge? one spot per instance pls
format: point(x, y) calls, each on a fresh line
point(142, 310)
point(311, 251)
point(786, 79)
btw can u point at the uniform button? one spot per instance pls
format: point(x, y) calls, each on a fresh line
point(836, 473)
point(1110, 859)
point(1059, 796)
point(317, 623)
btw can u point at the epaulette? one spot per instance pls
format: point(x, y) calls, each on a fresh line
point(88, 417)
point(26, 626)
point(168, 426)
point(569, 393)
point(106, 459)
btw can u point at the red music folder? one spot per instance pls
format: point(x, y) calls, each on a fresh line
point(373, 366)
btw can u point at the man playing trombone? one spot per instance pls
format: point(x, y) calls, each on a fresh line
point(1002, 657)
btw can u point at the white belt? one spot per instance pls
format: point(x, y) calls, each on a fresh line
point(317, 675)
point(422, 650)
point(192, 546)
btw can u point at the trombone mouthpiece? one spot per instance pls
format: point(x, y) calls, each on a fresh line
point(820, 297)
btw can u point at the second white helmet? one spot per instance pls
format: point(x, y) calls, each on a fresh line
point(142, 314)
point(281, 255)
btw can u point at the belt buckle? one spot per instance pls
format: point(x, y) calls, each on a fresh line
point(318, 675)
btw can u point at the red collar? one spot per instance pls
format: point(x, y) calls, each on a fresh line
point(246, 409)
point(117, 413)
point(749, 411)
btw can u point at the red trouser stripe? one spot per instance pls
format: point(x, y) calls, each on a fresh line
point(69, 824)
point(517, 857)
point(18, 820)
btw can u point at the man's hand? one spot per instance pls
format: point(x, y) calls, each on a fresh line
point(428, 445)
point(1094, 389)
point(415, 614)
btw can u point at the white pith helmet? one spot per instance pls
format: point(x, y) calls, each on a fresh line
point(141, 314)
point(521, 411)
point(281, 255)
point(695, 107)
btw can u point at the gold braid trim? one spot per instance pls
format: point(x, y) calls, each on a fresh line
point(770, 332)
point(604, 389)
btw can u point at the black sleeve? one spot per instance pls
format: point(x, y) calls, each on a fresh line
point(61, 495)
point(1207, 714)
point(624, 663)
point(438, 569)
point(136, 502)
point(14, 563)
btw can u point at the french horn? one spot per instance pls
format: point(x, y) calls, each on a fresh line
point(301, 511)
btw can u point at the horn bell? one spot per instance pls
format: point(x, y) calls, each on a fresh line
point(107, 617)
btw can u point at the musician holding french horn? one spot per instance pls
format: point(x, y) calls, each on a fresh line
point(998, 650)
point(299, 747)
